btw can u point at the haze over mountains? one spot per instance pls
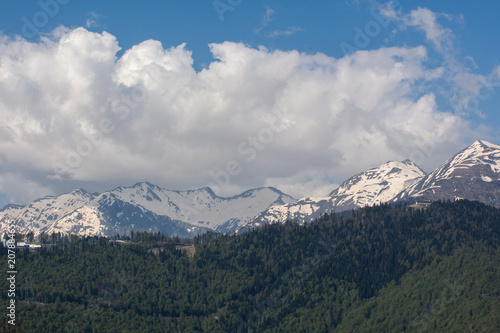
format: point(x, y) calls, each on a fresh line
point(473, 173)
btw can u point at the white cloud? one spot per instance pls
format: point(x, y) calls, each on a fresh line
point(288, 32)
point(465, 89)
point(296, 121)
point(92, 20)
point(266, 19)
point(426, 20)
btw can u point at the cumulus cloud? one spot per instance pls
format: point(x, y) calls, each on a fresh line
point(75, 115)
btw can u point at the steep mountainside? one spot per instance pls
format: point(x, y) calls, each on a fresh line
point(374, 186)
point(473, 173)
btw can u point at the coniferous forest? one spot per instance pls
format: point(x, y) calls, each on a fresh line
point(378, 269)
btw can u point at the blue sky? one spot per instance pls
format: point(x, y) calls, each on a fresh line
point(454, 74)
point(323, 24)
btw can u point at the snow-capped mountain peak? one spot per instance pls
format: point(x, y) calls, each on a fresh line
point(473, 173)
point(378, 185)
point(374, 186)
point(46, 211)
point(480, 152)
point(143, 206)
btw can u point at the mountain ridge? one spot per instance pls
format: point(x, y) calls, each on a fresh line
point(373, 186)
point(473, 173)
point(142, 206)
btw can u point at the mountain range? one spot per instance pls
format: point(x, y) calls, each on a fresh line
point(473, 173)
point(141, 207)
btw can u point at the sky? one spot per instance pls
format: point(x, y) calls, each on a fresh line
point(238, 94)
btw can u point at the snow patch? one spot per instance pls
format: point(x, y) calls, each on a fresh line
point(486, 179)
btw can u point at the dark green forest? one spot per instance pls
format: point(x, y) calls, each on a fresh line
point(378, 269)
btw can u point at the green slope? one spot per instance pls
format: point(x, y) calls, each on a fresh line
point(457, 293)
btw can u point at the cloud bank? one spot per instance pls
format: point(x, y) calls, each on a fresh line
point(75, 115)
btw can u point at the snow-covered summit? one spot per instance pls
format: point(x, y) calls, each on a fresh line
point(473, 173)
point(201, 207)
point(368, 188)
point(479, 153)
point(44, 212)
point(377, 185)
point(143, 206)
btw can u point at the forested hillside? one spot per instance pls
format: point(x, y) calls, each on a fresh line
point(384, 268)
